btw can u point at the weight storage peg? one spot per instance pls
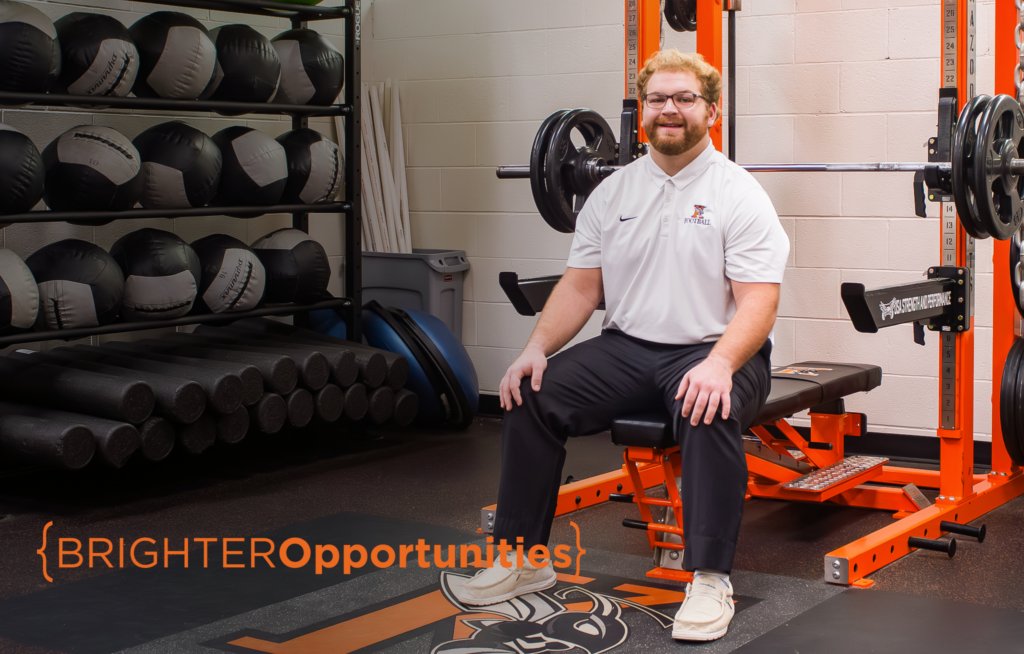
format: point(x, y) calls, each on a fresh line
point(965, 530)
point(947, 546)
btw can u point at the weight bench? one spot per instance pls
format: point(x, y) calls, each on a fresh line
point(781, 462)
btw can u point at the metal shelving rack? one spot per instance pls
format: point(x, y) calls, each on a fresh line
point(299, 15)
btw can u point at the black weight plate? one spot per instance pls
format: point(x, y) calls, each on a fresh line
point(1014, 440)
point(1017, 269)
point(1007, 392)
point(999, 193)
point(964, 138)
point(687, 12)
point(570, 172)
point(672, 19)
point(537, 185)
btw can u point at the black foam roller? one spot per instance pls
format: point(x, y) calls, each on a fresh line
point(329, 403)
point(179, 399)
point(300, 407)
point(407, 405)
point(157, 438)
point(224, 392)
point(233, 427)
point(76, 390)
point(269, 414)
point(252, 379)
point(56, 443)
point(382, 404)
point(199, 435)
point(356, 402)
point(280, 374)
point(116, 441)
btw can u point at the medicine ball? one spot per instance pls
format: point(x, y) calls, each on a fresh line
point(177, 59)
point(312, 69)
point(29, 50)
point(180, 166)
point(297, 266)
point(315, 167)
point(98, 56)
point(249, 65)
point(19, 297)
point(21, 172)
point(161, 274)
point(79, 284)
point(232, 277)
point(255, 168)
point(92, 168)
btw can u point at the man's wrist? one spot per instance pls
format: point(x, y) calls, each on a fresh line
point(724, 361)
point(536, 347)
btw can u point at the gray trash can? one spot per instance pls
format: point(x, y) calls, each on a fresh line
point(428, 280)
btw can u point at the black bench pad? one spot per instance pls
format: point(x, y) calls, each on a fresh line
point(796, 387)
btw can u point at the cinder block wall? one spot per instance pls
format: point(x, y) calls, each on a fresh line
point(817, 80)
point(43, 125)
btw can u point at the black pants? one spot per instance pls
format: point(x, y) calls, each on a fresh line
point(590, 384)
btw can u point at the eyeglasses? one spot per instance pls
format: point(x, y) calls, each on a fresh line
point(682, 100)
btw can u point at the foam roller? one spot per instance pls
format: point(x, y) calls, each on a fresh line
point(329, 403)
point(356, 403)
point(269, 414)
point(199, 435)
point(224, 391)
point(382, 404)
point(233, 427)
point(54, 443)
point(176, 398)
point(157, 438)
point(116, 441)
point(76, 390)
point(396, 364)
point(300, 407)
point(280, 374)
point(407, 405)
point(252, 379)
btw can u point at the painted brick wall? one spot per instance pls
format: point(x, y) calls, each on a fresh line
point(45, 125)
point(817, 80)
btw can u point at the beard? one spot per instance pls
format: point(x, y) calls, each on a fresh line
point(679, 143)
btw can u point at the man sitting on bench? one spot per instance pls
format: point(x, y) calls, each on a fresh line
point(688, 253)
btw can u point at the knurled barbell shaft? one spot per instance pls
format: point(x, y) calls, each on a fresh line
point(1016, 167)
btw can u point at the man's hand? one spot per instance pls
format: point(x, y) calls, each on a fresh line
point(531, 362)
point(706, 385)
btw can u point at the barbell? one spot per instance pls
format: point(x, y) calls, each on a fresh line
point(985, 176)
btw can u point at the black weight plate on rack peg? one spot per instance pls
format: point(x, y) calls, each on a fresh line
point(1007, 391)
point(997, 191)
point(570, 172)
point(537, 184)
point(672, 18)
point(1017, 269)
point(1014, 441)
point(964, 138)
point(687, 12)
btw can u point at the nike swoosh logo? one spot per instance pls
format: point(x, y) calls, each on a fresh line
point(622, 220)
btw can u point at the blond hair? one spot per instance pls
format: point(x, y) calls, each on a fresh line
point(674, 61)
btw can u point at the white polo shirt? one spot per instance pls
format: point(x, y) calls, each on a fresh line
point(668, 246)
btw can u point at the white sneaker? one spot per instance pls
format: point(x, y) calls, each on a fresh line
point(497, 584)
point(706, 611)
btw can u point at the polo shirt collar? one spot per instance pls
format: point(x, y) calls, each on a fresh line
point(690, 172)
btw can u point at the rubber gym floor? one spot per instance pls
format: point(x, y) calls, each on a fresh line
point(398, 487)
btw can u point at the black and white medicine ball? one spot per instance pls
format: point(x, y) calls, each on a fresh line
point(255, 168)
point(98, 56)
point(249, 65)
point(297, 266)
point(79, 284)
point(19, 297)
point(161, 274)
point(92, 168)
point(177, 59)
point(180, 166)
point(312, 69)
point(29, 49)
point(21, 172)
point(315, 167)
point(233, 279)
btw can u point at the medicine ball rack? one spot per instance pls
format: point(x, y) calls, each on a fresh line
point(299, 15)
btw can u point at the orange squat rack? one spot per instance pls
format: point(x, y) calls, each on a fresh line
point(963, 495)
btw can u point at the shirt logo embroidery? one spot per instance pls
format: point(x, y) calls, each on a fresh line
point(622, 219)
point(698, 216)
